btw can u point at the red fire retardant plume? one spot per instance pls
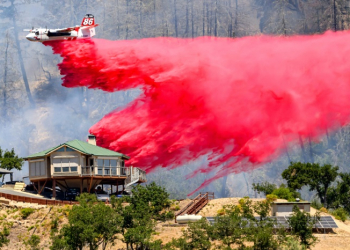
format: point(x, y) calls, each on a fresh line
point(237, 101)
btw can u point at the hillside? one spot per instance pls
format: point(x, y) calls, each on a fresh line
point(42, 221)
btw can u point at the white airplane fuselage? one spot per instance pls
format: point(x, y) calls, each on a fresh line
point(45, 35)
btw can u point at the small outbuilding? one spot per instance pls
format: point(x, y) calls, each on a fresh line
point(5, 171)
point(286, 208)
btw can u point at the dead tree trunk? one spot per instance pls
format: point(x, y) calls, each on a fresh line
point(192, 23)
point(24, 74)
point(175, 19)
point(4, 91)
point(302, 148)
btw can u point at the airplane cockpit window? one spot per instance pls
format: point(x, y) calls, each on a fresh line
point(37, 33)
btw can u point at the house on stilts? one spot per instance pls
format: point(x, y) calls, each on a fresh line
point(82, 165)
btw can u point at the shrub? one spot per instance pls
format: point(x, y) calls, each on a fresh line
point(54, 224)
point(33, 242)
point(242, 201)
point(25, 212)
point(284, 193)
point(4, 236)
point(316, 204)
point(175, 208)
point(292, 243)
point(323, 210)
point(169, 215)
point(221, 212)
point(271, 197)
point(340, 214)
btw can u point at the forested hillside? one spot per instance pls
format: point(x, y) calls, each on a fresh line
point(37, 112)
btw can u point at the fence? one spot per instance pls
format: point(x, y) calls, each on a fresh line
point(36, 200)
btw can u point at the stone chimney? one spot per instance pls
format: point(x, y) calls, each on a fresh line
point(92, 140)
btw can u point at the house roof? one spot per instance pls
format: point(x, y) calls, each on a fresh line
point(81, 146)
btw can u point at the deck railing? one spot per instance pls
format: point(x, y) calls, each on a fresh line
point(104, 171)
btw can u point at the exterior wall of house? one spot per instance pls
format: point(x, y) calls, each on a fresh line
point(38, 168)
point(66, 162)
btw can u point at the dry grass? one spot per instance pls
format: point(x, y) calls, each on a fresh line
point(339, 239)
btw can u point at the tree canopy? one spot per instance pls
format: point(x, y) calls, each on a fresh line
point(91, 223)
point(318, 178)
point(9, 160)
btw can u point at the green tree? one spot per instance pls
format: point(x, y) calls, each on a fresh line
point(152, 197)
point(317, 178)
point(261, 231)
point(265, 187)
point(138, 219)
point(301, 224)
point(196, 236)
point(297, 175)
point(339, 196)
point(9, 160)
point(229, 228)
point(91, 223)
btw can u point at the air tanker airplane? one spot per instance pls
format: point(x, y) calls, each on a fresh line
point(85, 30)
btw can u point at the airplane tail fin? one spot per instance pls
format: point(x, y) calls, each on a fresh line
point(88, 26)
point(88, 20)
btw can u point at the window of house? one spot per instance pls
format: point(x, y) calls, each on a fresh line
point(106, 163)
point(100, 162)
point(108, 166)
point(69, 149)
point(113, 167)
point(37, 168)
point(100, 166)
point(113, 163)
point(65, 165)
